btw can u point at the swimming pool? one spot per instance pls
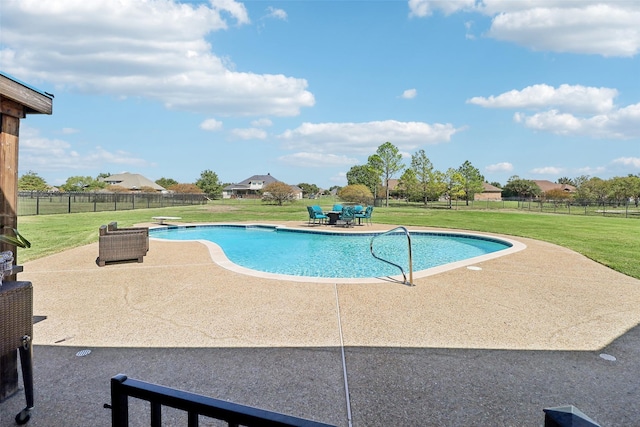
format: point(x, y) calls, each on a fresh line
point(317, 254)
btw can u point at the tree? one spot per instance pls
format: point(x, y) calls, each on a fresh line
point(82, 183)
point(454, 187)
point(557, 195)
point(409, 186)
point(423, 169)
point(308, 189)
point(566, 180)
point(278, 192)
point(210, 184)
point(356, 193)
point(594, 189)
point(117, 189)
point(472, 180)
point(391, 162)
point(366, 175)
point(30, 181)
point(103, 175)
point(166, 182)
point(495, 184)
point(518, 187)
point(185, 189)
point(621, 189)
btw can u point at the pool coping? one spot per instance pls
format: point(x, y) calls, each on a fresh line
point(219, 257)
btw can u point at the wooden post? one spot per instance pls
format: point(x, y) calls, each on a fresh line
point(10, 115)
point(9, 135)
point(17, 99)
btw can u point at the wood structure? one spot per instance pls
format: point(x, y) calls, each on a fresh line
point(17, 100)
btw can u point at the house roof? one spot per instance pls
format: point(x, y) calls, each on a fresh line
point(488, 188)
point(393, 183)
point(546, 185)
point(245, 184)
point(132, 181)
point(266, 179)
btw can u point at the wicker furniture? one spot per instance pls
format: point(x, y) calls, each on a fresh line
point(16, 330)
point(122, 244)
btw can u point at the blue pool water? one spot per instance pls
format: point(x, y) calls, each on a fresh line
point(336, 255)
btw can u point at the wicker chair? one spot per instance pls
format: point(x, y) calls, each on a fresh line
point(122, 244)
point(113, 227)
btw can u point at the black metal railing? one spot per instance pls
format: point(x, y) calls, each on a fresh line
point(194, 404)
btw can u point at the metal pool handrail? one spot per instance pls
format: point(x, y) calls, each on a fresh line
point(406, 232)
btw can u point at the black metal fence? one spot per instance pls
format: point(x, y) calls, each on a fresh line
point(624, 209)
point(44, 203)
point(194, 404)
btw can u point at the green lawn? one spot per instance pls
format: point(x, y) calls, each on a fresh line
point(614, 242)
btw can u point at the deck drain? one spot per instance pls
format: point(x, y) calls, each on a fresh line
point(608, 357)
point(83, 353)
point(474, 268)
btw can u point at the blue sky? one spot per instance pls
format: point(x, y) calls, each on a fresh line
point(305, 90)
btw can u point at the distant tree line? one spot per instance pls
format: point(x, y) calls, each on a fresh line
point(617, 190)
point(419, 182)
point(208, 184)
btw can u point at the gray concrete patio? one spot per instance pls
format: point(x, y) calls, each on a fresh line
point(463, 347)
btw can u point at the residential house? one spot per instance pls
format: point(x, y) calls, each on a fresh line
point(252, 188)
point(132, 181)
point(489, 192)
point(548, 185)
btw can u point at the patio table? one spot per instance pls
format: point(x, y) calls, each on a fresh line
point(333, 217)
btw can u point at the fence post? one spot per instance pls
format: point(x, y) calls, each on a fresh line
point(38, 204)
point(119, 402)
point(69, 207)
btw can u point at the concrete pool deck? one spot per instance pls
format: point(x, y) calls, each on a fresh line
point(463, 347)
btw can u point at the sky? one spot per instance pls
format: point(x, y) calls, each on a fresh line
point(305, 90)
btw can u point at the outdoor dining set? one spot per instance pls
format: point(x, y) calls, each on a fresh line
point(344, 216)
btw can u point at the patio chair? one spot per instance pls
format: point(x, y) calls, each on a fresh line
point(366, 215)
point(122, 245)
point(315, 213)
point(113, 227)
point(337, 208)
point(347, 217)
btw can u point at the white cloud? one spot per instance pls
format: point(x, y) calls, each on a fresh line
point(52, 155)
point(154, 49)
point(365, 138)
point(249, 133)
point(261, 123)
point(409, 94)
point(571, 110)
point(422, 8)
point(317, 160)
point(211, 125)
point(500, 167)
point(628, 161)
point(548, 170)
point(69, 131)
point(603, 27)
point(588, 170)
point(623, 123)
point(575, 98)
point(340, 177)
point(272, 12)
point(607, 28)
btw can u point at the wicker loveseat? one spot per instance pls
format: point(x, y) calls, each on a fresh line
point(122, 244)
